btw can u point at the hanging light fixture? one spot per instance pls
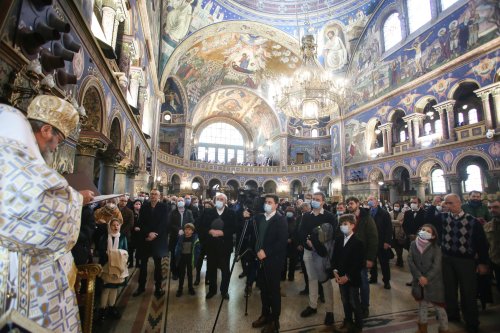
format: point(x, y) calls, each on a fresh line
point(311, 93)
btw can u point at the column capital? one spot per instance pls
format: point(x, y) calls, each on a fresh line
point(445, 106)
point(390, 183)
point(112, 157)
point(484, 92)
point(90, 146)
point(110, 3)
point(452, 178)
point(419, 181)
point(385, 126)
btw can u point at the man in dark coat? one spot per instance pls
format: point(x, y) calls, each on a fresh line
point(413, 220)
point(219, 226)
point(153, 223)
point(384, 227)
point(270, 246)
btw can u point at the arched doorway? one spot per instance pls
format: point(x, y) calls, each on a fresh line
point(296, 189)
point(175, 184)
point(401, 177)
point(198, 186)
point(270, 186)
point(232, 187)
point(251, 185)
point(214, 186)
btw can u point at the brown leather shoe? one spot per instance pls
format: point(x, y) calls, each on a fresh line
point(271, 327)
point(261, 322)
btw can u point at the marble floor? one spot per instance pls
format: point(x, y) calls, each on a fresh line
point(391, 310)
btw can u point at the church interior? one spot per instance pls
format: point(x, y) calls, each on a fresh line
point(391, 98)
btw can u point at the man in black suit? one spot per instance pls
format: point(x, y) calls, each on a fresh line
point(218, 227)
point(153, 223)
point(384, 227)
point(347, 262)
point(270, 246)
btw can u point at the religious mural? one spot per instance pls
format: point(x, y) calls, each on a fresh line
point(243, 106)
point(308, 150)
point(374, 74)
point(232, 59)
point(172, 140)
point(173, 101)
point(355, 146)
point(334, 56)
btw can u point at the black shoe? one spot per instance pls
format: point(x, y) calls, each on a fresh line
point(159, 293)
point(261, 322)
point(291, 278)
point(178, 293)
point(175, 277)
point(304, 292)
point(242, 275)
point(373, 281)
point(191, 291)
point(196, 282)
point(210, 295)
point(472, 329)
point(206, 282)
point(408, 284)
point(399, 263)
point(114, 313)
point(225, 296)
point(366, 313)
point(248, 291)
point(387, 285)
point(271, 327)
point(308, 312)
point(329, 319)
point(138, 292)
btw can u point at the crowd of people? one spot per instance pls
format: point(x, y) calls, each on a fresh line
point(339, 243)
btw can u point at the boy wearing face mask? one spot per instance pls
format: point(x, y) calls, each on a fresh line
point(347, 263)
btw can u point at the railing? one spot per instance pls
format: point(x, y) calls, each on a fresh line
point(227, 168)
point(473, 131)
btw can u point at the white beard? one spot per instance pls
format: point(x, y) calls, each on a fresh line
point(49, 158)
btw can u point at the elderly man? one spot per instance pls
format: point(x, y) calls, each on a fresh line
point(219, 226)
point(384, 227)
point(39, 216)
point(153, 224)
point(463, 242)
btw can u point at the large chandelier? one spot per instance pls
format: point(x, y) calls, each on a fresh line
point(311, 93)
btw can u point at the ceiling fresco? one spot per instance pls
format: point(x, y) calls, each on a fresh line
point(241, 105)
point(234, 58)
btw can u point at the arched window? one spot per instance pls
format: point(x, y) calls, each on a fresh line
point(427, 128)
point(472, 116)
point(221, 143)
point(399, 127)
point(460, 120)
point(474, 180)
point(419, 13)
point(315, 187)
point(391, 30)
point(431, 119)
point(437, 181)
point(314, 133)
point(447, 3)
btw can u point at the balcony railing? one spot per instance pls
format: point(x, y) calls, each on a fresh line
point(246, 169)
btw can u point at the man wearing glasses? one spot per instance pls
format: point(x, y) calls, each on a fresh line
point(39, 215)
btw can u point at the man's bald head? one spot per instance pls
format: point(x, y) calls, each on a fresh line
point(453, 203)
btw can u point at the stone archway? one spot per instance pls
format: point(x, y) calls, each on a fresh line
point(270, 186)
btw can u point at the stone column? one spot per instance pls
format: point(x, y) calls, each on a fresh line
point(188, 142)
point(496, 104)
point(86, 152)
point(284, 150)
point(418, 119)
point(393, 190)
point(120, 179)
point(135, 82)
point(118, 19)
point(444, 125)
point(409, 123)
point(443, 108)
point(420, 185)
point(141, 181)
point(485, 99)
point(108, 19)
point(106, 177)
point(453, 181)
point(387, 137)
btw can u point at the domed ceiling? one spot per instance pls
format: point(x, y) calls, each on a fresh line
point(241, 105)
point(280, 7)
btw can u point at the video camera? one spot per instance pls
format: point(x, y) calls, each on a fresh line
point(251, 200)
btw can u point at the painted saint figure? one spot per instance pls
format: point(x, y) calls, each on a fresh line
point(179, 20)
point(334, 52)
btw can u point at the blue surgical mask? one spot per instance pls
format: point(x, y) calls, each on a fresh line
point(371, 204)
point(289, 214)
point(268, 208)
point(424, 235)
point(340, 212)
point(187, 201)
point(219, 204)
point(345, 229)
point(180, 204)
point(315, 204)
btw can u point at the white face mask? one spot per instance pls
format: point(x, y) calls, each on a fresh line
point(111, 205)
point(219, 204)
point(414, 206)
point(307, 200)
point(345, 229)
point(396, 209)
point(439, 208)
point(424, 235)
point(289, 214)
point(268, 208)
